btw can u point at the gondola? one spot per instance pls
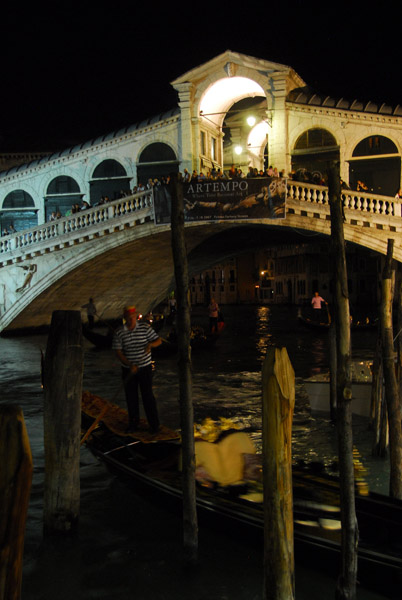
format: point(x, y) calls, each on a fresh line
point(150, 463)
point(99, 340)
point(198, 339)
point(323, 326)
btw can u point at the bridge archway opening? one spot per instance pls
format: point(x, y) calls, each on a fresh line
point(61, 194)
point(18, 212)
point(109, 179)
point(156, 161)
point(313, 153)
point(376, 162)
point(246, 129)
point(223, 110)
point(284, 265)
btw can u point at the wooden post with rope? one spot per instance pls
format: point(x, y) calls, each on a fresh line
point(63, 368)
point(278, 394)
point(15, 485)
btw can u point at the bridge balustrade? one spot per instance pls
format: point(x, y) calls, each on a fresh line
point(92, 221)
point(352, 200)
point(83, 222)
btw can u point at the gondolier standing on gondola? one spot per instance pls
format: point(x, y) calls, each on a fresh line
point(133, 343)
point(316, 304)
point(91, 312)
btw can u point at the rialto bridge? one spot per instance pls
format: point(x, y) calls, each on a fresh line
point(115, 252)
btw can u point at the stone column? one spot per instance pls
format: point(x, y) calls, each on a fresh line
point(278, 140)
point(188, 158)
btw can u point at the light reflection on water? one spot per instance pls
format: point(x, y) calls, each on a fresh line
point(226, 381)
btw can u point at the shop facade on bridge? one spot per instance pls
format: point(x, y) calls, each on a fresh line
point(293, 129)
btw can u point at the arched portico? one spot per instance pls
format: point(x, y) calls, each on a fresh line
point(109, 179)
point(18, 211)
point(156, 161)
point(376, 163)
point(207, 94)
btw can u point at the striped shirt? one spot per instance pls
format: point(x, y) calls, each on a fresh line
point(132, 342)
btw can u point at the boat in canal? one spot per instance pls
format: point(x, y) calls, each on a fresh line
point(324, 325)
point(150, 463)
point(318, 389)
point(199, 340)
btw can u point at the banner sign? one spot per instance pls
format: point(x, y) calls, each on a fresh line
point(224, 199)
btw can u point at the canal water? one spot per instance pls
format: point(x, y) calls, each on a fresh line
point(226, 383)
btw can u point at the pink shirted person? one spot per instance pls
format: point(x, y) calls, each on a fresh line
point(316, 304)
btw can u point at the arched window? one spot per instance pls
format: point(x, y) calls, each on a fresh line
point(155, 162)
point(157, 152)
point(18, 199)
point(62, 192)
point(109, 180)
point(109, 168)
point(313, 152)
point(63, 185)
point(314, 139)
point(374, 145)
point(376, 163)
point(18, 210)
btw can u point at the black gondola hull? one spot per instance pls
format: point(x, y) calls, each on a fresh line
point(379, 565)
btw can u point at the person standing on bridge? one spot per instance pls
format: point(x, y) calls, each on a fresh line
point(133, 343)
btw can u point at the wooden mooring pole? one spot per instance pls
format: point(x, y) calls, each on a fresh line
point(63, 368)
point(278, 401)
point(390, 380)
point(190, 521)
point(346, 587)
point(15, 487)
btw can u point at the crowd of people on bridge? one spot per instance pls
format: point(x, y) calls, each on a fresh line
point(211, 174)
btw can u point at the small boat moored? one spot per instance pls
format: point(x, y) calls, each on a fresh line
point(318, 389)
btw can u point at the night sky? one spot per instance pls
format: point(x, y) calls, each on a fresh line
point(73, 71)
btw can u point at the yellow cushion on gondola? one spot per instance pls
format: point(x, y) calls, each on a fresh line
point(224, 460)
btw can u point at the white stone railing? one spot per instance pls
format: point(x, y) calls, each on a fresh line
point(81, 223)
point(373, 204)
point(89, 222)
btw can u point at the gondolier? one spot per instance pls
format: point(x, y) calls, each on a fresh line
point(91, 312)
point(316, 303)
point(133, 343)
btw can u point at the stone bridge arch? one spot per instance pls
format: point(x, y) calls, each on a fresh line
point(136, 266)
